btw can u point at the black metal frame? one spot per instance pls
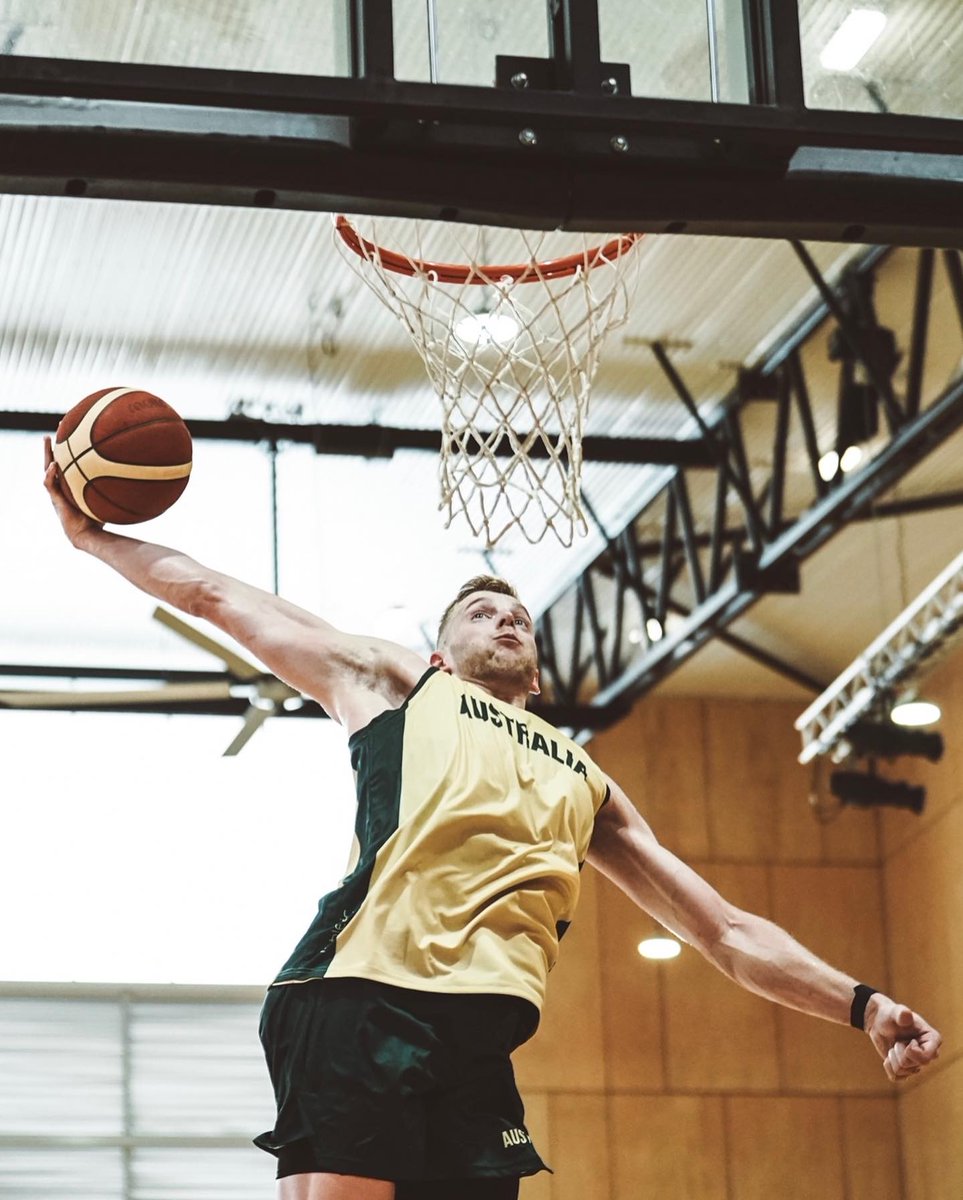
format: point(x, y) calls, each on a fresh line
point(566, 155)
point(711, 573)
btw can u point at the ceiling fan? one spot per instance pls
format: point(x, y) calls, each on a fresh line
point(266, 695)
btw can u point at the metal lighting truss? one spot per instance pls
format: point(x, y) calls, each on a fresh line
point(709, 567)
point(926, 628)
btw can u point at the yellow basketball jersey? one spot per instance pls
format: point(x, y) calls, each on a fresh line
point(474, 818)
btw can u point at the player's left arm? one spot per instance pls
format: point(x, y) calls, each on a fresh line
point(751, 950)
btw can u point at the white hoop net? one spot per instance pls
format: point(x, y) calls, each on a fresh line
point(511, 358)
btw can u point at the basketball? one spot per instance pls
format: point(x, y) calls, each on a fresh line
point(124, 455)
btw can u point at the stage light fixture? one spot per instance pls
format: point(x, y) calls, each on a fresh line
point(869, 791)
point(884, 739)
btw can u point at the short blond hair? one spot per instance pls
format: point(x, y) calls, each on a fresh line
point(478, 583)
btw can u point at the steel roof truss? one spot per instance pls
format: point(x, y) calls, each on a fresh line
point(711, 569)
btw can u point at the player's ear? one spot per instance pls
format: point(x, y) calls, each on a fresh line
point(437, 659)
point(535, 690)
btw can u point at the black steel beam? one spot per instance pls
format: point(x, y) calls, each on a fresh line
point(374, 144)
point(229, 707)
point(713, 568)
point(797, 542)
point(142, 674)
point(379, 441)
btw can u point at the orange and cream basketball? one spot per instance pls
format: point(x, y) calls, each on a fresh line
point(124, 455)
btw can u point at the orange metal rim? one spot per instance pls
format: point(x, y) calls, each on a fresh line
point(472, 273)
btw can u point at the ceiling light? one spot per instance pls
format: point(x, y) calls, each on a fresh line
point(635, 635)
point(851, 457)
point(653, 627)
point(486, 329)
point(828, 466)
point(660, 948)
point(915, 712)
point(852, 39)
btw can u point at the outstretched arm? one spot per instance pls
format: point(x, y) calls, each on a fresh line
point(353, 678)
point(752, 951)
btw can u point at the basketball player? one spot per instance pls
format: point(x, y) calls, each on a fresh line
point(388, 1031)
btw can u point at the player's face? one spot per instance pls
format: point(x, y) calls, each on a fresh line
point(492, 637)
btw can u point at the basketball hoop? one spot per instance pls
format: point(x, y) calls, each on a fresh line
point(514, 377)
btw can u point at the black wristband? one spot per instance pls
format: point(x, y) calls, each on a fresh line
point(857, 1013)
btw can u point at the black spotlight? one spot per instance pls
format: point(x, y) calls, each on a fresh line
point(869, 791)
point(884, 739)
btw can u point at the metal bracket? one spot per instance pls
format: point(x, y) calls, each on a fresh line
point(543, 74)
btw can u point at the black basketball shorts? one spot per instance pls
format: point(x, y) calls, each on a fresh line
point(392, 1083)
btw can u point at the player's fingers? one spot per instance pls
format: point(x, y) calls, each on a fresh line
point(918, 1053)
point(51, 480)
point(901, 1061)
point(47, 451)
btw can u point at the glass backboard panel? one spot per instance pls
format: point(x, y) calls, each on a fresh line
point(304, 37)
point(457, 41)
point(883, 56)
point(665, 46)
point(691, 50)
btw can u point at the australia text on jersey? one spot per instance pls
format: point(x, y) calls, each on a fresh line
point(482, 710)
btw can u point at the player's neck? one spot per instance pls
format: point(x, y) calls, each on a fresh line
point(508, 691)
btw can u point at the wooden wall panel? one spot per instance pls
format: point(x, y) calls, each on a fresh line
point(943, 780)
point(837, 912)
point(657, 756)
point(632, 1002)
point(720, 1037)
point(924, 900)
point(871, 1150)
point(853, 837)
point(758, 794)
point(668, 1146)
point(566, 1052)
point(785, 1147)
point(931, 1119)
point(579, 1147)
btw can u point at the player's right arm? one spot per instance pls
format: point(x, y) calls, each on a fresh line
point(352, 677)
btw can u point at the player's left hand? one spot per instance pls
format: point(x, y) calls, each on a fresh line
point(905, 1042)
point(74, 522)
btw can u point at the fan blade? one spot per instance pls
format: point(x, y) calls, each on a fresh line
point(272, 688)
point(239, 667)
point(254, 718)
point(173, 693)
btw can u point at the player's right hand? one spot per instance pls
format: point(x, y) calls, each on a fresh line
point(74, 522)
